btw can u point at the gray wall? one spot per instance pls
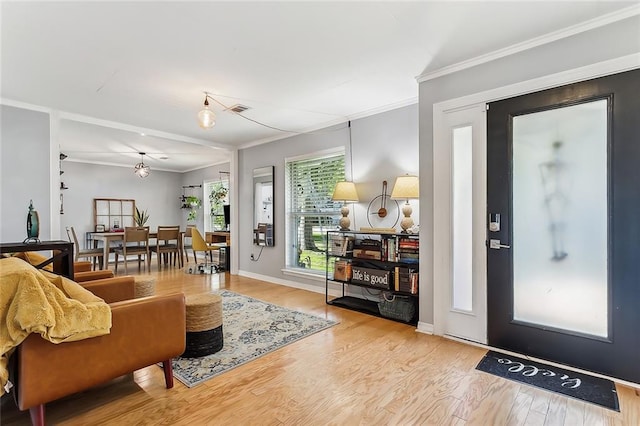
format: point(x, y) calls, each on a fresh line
point(609, 42)
point(25, 170)
point(158, 194)
point(384, 146)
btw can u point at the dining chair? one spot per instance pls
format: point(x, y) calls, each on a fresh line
point(168, 244)
point(135, 242)
point(199, 244)
point(186, 245)
point(95, 255)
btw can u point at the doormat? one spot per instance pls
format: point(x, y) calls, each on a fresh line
point(251, 328)
point(570, 383)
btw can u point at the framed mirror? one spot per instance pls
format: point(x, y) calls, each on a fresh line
point(263, 206)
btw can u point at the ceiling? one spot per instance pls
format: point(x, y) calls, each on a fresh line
point(116, 70)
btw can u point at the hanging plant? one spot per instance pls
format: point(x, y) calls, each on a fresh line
point(192, 202)
point(216, 197)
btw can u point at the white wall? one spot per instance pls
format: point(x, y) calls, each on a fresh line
point(384, 146)
point(158, 194)
point(24, 172)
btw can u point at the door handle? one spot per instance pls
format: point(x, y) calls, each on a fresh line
point(497, 245)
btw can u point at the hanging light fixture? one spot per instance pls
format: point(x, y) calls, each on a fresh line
point(141, 169)
point(206, 117)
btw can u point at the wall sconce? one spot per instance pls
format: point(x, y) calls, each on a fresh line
point(141, 169)
point(406, 188)
point(346, 192)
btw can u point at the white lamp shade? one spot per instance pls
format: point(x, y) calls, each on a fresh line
point(206, 118)
point(345, 191)
point(406, 187)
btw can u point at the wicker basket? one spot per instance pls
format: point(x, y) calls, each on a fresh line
point(396, 307)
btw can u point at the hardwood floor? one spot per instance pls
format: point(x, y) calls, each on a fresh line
point(365, 370)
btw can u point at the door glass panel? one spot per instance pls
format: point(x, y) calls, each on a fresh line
point(462, 290)
point(560, 218)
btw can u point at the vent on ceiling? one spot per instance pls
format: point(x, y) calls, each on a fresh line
point(238, 109)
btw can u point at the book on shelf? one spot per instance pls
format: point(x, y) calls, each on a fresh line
point(405, 280)
point(367, 254)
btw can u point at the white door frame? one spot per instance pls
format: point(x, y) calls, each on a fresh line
point(599, 69)
point(470, 325)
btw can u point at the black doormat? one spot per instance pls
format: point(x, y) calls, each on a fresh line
point(580, 386)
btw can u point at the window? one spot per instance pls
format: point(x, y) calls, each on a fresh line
point(216, 195)
point(310, 211)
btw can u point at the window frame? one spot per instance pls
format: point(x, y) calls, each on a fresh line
point(293, 236)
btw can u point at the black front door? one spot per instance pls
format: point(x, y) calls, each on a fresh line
point(563, 261)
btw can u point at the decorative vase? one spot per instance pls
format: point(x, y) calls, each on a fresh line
point(33, 225)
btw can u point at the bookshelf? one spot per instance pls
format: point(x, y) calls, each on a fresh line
point(374, 272)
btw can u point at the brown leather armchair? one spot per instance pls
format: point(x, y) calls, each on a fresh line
point(144, 331)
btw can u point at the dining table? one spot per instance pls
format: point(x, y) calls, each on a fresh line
point(109, 237)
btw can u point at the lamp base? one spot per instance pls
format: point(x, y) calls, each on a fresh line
point(345, 222)
point(406, 221)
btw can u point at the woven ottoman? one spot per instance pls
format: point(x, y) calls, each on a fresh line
point(204, 325)
point(144, 286)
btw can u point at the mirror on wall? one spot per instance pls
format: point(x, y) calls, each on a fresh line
point(263, 206)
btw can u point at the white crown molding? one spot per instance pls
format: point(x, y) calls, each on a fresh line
point(591, 24)
point(24, 105)
point(105, 163)
point(341, 120)
point(63, 115)
point(600, 69)
point(151, 132)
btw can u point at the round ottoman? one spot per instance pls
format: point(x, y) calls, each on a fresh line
point(144, 286)
point(204, 325)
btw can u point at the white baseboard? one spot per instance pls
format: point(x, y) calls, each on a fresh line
point(288, 283)
point(424, 327)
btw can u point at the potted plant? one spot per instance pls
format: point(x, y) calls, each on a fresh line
point(140, 217)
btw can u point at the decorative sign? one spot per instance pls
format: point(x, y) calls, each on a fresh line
point(373, 277)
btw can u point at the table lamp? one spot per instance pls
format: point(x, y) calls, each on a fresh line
point(406, 188)
point(346, 192)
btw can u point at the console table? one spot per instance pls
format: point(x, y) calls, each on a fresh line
point(218, 237)
point(62, 258)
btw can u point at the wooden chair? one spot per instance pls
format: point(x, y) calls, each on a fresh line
point(168, 243)
point(199, 244)
point(188, 245)
point(94, 255)
point(136, 242)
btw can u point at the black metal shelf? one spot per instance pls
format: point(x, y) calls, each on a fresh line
point(365, 306)
point(361, 304)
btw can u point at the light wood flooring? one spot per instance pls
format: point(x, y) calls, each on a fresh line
point(364, 371)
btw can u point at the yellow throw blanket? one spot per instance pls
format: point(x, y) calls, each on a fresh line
point(57, 308)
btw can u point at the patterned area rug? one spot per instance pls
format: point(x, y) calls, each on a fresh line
point(251, 329)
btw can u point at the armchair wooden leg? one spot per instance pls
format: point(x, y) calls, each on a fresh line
point(168, 373)
point(37, 415)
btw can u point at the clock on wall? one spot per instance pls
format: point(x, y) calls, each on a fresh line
point(383, 212)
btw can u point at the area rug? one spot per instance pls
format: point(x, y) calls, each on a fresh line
point(251, 328)
point(594, 390)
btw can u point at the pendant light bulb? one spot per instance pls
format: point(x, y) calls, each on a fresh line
point(141, 169)
point(206, 117)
